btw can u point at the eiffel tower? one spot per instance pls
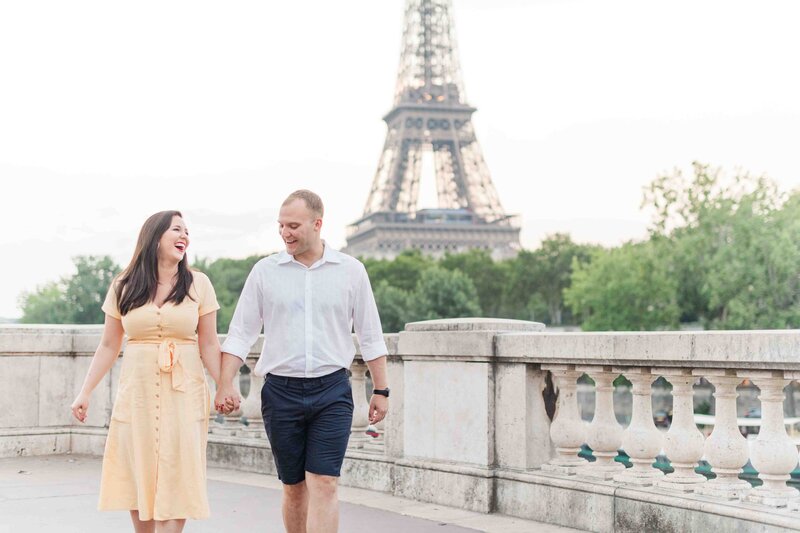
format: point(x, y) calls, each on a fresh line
point(431, 117)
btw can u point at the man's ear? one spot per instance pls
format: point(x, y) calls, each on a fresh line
point(318, 224)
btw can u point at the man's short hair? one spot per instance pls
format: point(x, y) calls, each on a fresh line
point(312, 200)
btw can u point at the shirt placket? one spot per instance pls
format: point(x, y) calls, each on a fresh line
point(309, 337)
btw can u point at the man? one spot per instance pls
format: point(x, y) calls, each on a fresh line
point(308, 299)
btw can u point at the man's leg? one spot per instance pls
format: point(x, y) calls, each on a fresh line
point(323, 503)
point(295, 507)
point(284, 421)
point(326, 444)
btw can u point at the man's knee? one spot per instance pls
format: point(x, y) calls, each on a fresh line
point(322, 486)
point(295, 492)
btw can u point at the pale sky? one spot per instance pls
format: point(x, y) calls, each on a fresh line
point(112, 111)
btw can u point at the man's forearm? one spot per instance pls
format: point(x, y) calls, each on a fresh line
point(378, 372)
point(230, 364)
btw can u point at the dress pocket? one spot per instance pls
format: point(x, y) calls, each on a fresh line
point(121, 411)
point(200, 399)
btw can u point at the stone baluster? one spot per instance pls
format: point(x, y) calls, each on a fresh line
point(683, 443)
point(604, 434)
point(772, 453)
point(567, 431)
point(725, 449)
point(793, 505)
point(358, 382)
point(251, 406)
point(641, 440)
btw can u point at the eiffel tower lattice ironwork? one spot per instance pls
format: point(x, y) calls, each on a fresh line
point(430, 114)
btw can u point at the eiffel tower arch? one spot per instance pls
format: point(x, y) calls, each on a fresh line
point(431, 117)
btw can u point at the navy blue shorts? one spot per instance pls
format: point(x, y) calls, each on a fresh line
point(308, 423)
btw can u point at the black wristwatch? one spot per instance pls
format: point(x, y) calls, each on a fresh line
point(382, 392)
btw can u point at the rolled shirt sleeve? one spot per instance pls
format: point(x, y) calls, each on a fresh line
point(248, 319)
point(367, 321)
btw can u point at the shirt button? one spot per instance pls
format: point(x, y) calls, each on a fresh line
point(156, 417)
point(156, 429)
point(157, 405)
point(158, 384)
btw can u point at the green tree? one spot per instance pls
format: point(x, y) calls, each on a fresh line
point(393, 306)
point(228, 277)
point(488, 276)
point(626, 288)
point(442, 293)
point(736, 247)
point(74, 299)
point(45, 305)
point(403, 272)
point(539, 277)
point(86, 289)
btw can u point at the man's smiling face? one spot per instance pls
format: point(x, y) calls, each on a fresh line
point(299, 228)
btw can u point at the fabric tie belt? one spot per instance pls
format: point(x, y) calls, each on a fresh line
point(169, 361)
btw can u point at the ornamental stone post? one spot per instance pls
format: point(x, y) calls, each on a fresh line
point(683, 443)
point(641, 440)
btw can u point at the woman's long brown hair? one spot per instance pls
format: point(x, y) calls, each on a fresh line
point(137, 284)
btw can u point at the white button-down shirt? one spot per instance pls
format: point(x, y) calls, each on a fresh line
point(308, 314)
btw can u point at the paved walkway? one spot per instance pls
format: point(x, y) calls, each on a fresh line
point(59, 493)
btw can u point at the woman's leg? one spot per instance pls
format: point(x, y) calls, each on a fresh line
point(170, 526)
point(142, 526)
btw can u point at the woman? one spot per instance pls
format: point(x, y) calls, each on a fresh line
point(154, 463)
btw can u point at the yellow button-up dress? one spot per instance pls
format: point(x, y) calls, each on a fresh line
point(155, 454)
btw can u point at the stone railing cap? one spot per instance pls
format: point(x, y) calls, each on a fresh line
point(474, 324)
point(48, 329)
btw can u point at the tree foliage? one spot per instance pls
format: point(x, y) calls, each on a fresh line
point(402, 272)
point(442, 293)
point(538, 278)
point(228, 277)
point(735, 247)
point(489, 277)
point(72, 300)
point(393, 306)
point(625, 288)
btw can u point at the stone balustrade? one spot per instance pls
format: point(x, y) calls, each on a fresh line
point(469, 426)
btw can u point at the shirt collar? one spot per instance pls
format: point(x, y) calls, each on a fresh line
point(329, 255)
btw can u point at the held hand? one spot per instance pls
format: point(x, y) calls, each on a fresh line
point(80, 407)
point(378, 407)
point(226, 400)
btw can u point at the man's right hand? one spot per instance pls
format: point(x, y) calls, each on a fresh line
point(227, 399)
